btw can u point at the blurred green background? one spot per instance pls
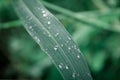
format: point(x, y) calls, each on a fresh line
point(95, 28)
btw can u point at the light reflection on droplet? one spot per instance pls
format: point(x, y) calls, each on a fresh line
point(69, 38)
point(60, 66)
point(78, 56)
point(62, 45)
point(43, 11)
point(44, 15)
point(69, 48)
point(66, 67)
point(30, 27)
point(73, 75)
point(55, 48)
point(37, 39)
point(56, 34)
point(49, 22)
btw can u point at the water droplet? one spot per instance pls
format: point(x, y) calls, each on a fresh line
point(66, 67)
point(56, 34)
point(49, 35)
point(74, 46)
point(62, 45)
point(44, 15)
point(69, 48)
point(69, 38)
point(30, 27)
point(43, 11)
point(49, 22)
point(55, 48)
point(73, 75)
point(60, 66)
point(37, 39)
point(78, 56)
point(78, 50)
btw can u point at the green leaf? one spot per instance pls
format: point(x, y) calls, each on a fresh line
point(53, 39)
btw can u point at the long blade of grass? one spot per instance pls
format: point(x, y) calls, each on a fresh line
point(53, 38)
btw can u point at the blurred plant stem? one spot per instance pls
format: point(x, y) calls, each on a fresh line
point(101, 6)
point(86, 19)
point(6, 25)
point(90, 21)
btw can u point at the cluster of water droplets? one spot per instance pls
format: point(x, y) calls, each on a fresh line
point(61, 66)
point(77, 49)
point(45, 14)
point(28, 18)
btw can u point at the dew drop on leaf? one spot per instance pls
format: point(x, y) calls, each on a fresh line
point(37, 39)
point(73, 75)
point(69, 48)
point(49, 35)
point(78, 56)
point(30, 27)
point(66, 67)
point(62, 45)
point(43, 11)
point(49, 22)
point(55, 48)
point(56, 34)
point(69, 38)
point(44, 15)
point(60, 66)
